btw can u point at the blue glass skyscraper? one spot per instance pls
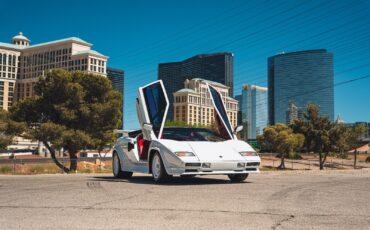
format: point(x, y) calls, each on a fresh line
point(300, 78)
point(117, 77)
point(254, 111)
point(217, 67)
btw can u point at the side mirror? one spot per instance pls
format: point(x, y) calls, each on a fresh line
point(148, 127)
point(238, 129)
point(131, 144)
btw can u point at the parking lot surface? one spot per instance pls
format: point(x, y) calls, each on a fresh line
point(272, 200)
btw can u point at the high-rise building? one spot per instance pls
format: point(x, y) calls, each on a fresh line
point(239, 98)
point(117, 77)
point(22, 63)
point(294, 113)
point(217, 67)
point(193, 104)
point(301, 77)
point(254, 111)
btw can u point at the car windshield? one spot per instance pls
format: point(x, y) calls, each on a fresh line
point(191, 134)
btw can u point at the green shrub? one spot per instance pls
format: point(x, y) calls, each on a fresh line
point(295, 156)
point(6, 169)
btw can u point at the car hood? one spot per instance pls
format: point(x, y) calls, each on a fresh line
point(210, 151)
point(215, 151)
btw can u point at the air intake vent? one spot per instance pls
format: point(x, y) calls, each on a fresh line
point(192, 164)
point(191, 170)
point(253, 164)
point(252, 169)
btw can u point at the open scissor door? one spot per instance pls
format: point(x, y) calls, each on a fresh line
point(221, 119)
point(152, 107)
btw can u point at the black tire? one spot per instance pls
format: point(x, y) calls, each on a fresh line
point(159, 174)
point(238, 177)
point(117, 172)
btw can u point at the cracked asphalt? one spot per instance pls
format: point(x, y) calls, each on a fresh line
point(271, 200)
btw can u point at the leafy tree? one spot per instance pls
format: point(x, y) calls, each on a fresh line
point(280, 138)
point(338, 137)
point(73, 110)
point(353, 139)
point(321, 135)
point(8, 129)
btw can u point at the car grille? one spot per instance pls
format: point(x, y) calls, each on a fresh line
point(253, 163)
point(192, 164)
point(191, 170)
point(252, 169)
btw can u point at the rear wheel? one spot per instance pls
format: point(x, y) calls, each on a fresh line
point(117, 171)
point(158, 171)
point(238, 177)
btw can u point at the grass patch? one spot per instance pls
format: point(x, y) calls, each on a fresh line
point(87, 170)
point(37, 169)
point(6, 169)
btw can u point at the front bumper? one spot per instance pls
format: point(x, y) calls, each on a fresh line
point(216, 168)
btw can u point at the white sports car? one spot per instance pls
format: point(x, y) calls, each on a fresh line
point(165, 152)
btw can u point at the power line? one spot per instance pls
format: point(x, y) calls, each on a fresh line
point(316, 90)
point(189, 30)
point(241, 30)
point(305, 39)
point(237, 82)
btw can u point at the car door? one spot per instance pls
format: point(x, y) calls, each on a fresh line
point(152, 107)
point(221, 119)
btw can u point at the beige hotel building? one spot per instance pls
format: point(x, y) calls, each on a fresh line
point(21, 64)
point(193, 104)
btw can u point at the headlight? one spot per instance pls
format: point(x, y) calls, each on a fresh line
point(248, 154)
point(206, 165)
point(241, 165)
point(184, 154)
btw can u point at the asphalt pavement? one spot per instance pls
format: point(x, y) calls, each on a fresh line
point(271, 200)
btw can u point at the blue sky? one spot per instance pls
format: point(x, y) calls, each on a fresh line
point(137, 35)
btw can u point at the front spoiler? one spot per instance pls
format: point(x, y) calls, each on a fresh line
point(222, 172)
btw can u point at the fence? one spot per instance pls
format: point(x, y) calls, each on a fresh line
point(47, 165)
point(104, 164)
point(270, 161)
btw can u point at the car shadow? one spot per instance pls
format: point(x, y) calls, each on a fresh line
point(173, 181)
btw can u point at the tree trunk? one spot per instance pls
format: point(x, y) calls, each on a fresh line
point(355, 158)
point(282, 163)
point(52, 154)
point(73, 164)
point(321, 163)
point(324, 160)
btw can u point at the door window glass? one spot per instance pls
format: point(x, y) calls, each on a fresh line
point(155, 101)
point(221, 109)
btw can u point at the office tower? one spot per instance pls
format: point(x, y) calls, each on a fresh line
point(294, 113)
point(239, 98)
point(117, 77)
point(217, 67)
point(254, 111)
point(300, 77)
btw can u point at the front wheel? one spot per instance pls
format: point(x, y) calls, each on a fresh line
point(238, 177)
point(158, 171)
point(117, 171)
